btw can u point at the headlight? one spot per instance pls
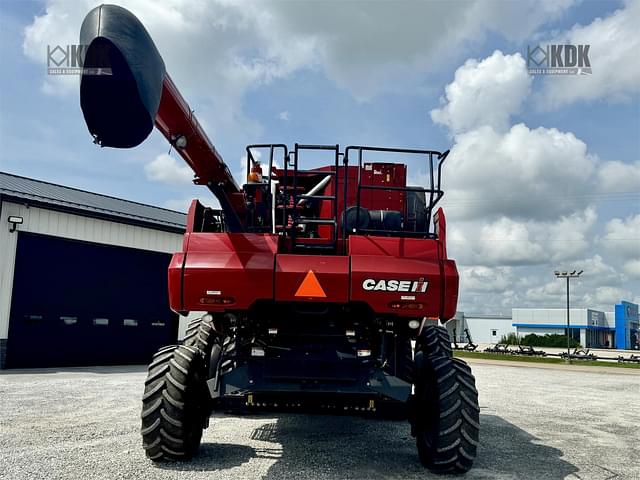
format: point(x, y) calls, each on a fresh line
point(413, 324)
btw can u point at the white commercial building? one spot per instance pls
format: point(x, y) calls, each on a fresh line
point(479, 328)
point(83, 277)
point(592, 328)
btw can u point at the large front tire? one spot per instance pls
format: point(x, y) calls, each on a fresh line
point(445, 413)
point(204, 334)
point(175, 404)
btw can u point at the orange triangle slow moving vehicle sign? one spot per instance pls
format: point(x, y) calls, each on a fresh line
point(310, 287)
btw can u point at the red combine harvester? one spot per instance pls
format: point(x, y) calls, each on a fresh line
point(316, 280)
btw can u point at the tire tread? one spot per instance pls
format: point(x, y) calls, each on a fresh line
point(174, 408)
point(454, 441)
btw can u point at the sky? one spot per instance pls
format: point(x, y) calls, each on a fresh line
point(543, 174)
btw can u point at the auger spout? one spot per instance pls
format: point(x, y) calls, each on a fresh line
point(125, 90)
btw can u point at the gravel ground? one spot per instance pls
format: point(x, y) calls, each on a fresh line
point(84, 424)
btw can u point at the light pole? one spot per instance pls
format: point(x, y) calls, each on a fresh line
point(568, 275)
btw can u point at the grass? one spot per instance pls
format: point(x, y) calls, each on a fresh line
point(560, 361)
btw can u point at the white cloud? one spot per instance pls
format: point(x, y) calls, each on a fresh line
point(60, 25)
point(594, 267)
point(617, 176)
point(509, 242)
point(622, 237)
point(547, 293)
point(365, 48)
point(517, 21)
point(484, 92)
point(495, 171)
point(516, 196)
point(604, 297)
point(387, 45)
point(166, 169)
point(523, 173)
point(597, 272)
point(632, 268)
point(599, 287)
point(522, 202)
point(569, 237)
point(614, 46)
point(487, 289)
point(485, 279)
point(284, 115)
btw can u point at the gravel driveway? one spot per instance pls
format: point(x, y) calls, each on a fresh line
point(537, 423)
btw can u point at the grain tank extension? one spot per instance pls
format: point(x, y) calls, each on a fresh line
point(316, 280)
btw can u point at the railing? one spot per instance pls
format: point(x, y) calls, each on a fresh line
point(296, 197)
point(416, 218)
point(434, 191)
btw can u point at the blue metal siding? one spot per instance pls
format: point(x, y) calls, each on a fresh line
point(621, 331)
point(626, 324)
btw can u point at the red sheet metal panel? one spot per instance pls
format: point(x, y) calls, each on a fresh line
point(293, 282)
point(384, 175)
point(234, 266)
point(383, 281)
point(387, 270)
point(395, 247)
point(175, 281)
point(450, 297)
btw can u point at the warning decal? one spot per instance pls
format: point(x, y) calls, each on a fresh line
point(310, 287)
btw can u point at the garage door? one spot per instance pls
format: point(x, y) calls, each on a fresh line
point(78, 303)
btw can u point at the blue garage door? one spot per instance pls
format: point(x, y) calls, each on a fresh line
point(78, 303)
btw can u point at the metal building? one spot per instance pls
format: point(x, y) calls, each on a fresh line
point(587, 326)
point(479, 328)
point(627, 321)
point(82, 276)
point(592, 328)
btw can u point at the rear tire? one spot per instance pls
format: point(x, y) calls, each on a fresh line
point(445, 415)
point(175, 404)
point(434, 341)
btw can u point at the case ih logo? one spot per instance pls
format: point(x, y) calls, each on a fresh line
point(559, 60)
point(419, 286)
